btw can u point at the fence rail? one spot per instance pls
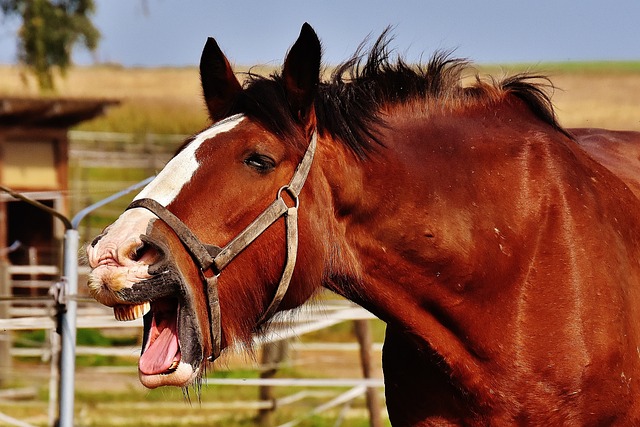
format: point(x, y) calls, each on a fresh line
point(47, 270)
point(121, 150)
point(311, 317)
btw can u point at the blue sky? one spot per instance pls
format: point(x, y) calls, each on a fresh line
point(172, 32)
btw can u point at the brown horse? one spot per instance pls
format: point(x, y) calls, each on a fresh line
point(503, 258)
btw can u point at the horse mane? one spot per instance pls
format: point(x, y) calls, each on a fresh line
point(349, 106)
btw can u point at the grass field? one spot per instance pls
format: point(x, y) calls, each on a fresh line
point(168, 100)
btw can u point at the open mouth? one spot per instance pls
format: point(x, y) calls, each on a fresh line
point(163, 361)
point(161, 347)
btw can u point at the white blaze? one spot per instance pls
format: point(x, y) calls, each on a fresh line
point(169, 182)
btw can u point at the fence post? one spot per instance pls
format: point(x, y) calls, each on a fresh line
point(33, 261)
point(5, 337)
point(273, 353)
point(54, 378)
point(363, 333)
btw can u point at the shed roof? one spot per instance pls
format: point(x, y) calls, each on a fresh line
point(49, 112)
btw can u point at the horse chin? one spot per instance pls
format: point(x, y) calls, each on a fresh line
point(182, 376)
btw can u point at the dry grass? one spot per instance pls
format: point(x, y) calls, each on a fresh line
point(605, 95)
point(599, 100)
point(168, 100)
point(164, 100)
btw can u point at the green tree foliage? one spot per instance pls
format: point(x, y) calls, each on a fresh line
point(50, 29)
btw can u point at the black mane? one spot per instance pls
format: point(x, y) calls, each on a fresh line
point(348, 106)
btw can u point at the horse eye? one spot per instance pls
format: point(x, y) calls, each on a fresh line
point(260, 162)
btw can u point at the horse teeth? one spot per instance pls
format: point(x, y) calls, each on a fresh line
point(131, 312)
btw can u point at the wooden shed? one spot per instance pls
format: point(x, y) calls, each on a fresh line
point(34, 160)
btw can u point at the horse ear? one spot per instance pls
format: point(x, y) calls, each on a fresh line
point(219, 85)
point(301, 73)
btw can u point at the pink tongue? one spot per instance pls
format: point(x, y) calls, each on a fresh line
point(160, 355)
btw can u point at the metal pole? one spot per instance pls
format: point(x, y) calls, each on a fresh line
point(68, 328)
point(75, 222)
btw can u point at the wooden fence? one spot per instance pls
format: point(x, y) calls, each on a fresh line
point(286, 326)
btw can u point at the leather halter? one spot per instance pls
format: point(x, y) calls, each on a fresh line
point(211, 259)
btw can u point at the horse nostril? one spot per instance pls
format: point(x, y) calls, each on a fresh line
point(97, 239)
point(139, 251)
point(147, 251)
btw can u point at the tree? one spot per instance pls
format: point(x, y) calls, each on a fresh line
point(50, 29)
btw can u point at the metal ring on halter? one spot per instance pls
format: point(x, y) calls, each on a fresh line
point(290, 192)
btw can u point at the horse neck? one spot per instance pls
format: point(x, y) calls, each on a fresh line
point(451, 232)
point(410, 212)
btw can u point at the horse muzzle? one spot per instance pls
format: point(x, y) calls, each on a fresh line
point(149, 280)
point(122, 273)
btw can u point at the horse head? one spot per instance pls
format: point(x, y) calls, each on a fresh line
point(163, 257)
